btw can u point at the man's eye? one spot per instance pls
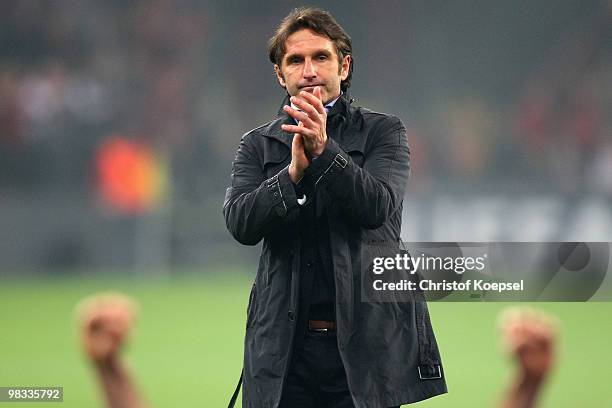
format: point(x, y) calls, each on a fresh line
point(322, 57)
point(294, 60)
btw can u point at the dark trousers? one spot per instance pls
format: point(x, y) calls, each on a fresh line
point(316, 378)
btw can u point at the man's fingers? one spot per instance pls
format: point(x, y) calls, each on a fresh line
point(105, 303)
point(299, 116)
point(314, 100)
point(526, 329)
point(104, 316)
point(94, 325)
point(297, 143)
point(317, 92)
point(302, 130)
point(307, 107)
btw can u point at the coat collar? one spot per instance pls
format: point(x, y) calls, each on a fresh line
point(342, 106)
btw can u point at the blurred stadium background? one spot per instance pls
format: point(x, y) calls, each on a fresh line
point(119, 121)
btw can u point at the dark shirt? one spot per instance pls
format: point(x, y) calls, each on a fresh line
point(317, 287)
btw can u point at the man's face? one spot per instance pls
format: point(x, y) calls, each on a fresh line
point(311, 60)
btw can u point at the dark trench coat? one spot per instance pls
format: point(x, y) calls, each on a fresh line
point(388, 349)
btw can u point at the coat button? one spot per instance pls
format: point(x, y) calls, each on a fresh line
point(290, 314)
point(309, 264)
point(275, 194)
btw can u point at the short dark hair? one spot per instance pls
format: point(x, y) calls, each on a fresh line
point(322, 23)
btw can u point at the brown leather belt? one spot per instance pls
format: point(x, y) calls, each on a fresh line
point(321, 326)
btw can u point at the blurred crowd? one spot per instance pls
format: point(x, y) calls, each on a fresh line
point(143, 103)
point(548, 131)
point(73, 74)
point(563, 117)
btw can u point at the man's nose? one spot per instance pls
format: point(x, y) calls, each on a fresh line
point(309, 69)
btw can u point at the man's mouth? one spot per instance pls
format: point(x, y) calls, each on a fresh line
point(309, 88)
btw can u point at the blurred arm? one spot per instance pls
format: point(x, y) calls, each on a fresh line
point(118, 385)
point(530, 337)
point(106, 321)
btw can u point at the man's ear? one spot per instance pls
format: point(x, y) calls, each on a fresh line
point(279, 76)
point(344, 68)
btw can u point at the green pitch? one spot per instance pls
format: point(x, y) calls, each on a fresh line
point(187, 347)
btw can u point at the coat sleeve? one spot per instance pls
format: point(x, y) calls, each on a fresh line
point(368, 195)
point(254, 205)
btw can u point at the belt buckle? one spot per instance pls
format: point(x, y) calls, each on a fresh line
point(323, 330)
point(318, 329)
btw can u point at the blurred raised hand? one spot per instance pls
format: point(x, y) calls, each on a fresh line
point(530, 337)
point(105, 321)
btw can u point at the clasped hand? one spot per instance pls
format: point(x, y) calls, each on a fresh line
point(309, 135)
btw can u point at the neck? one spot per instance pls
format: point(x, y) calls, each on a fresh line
point(333, 98)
